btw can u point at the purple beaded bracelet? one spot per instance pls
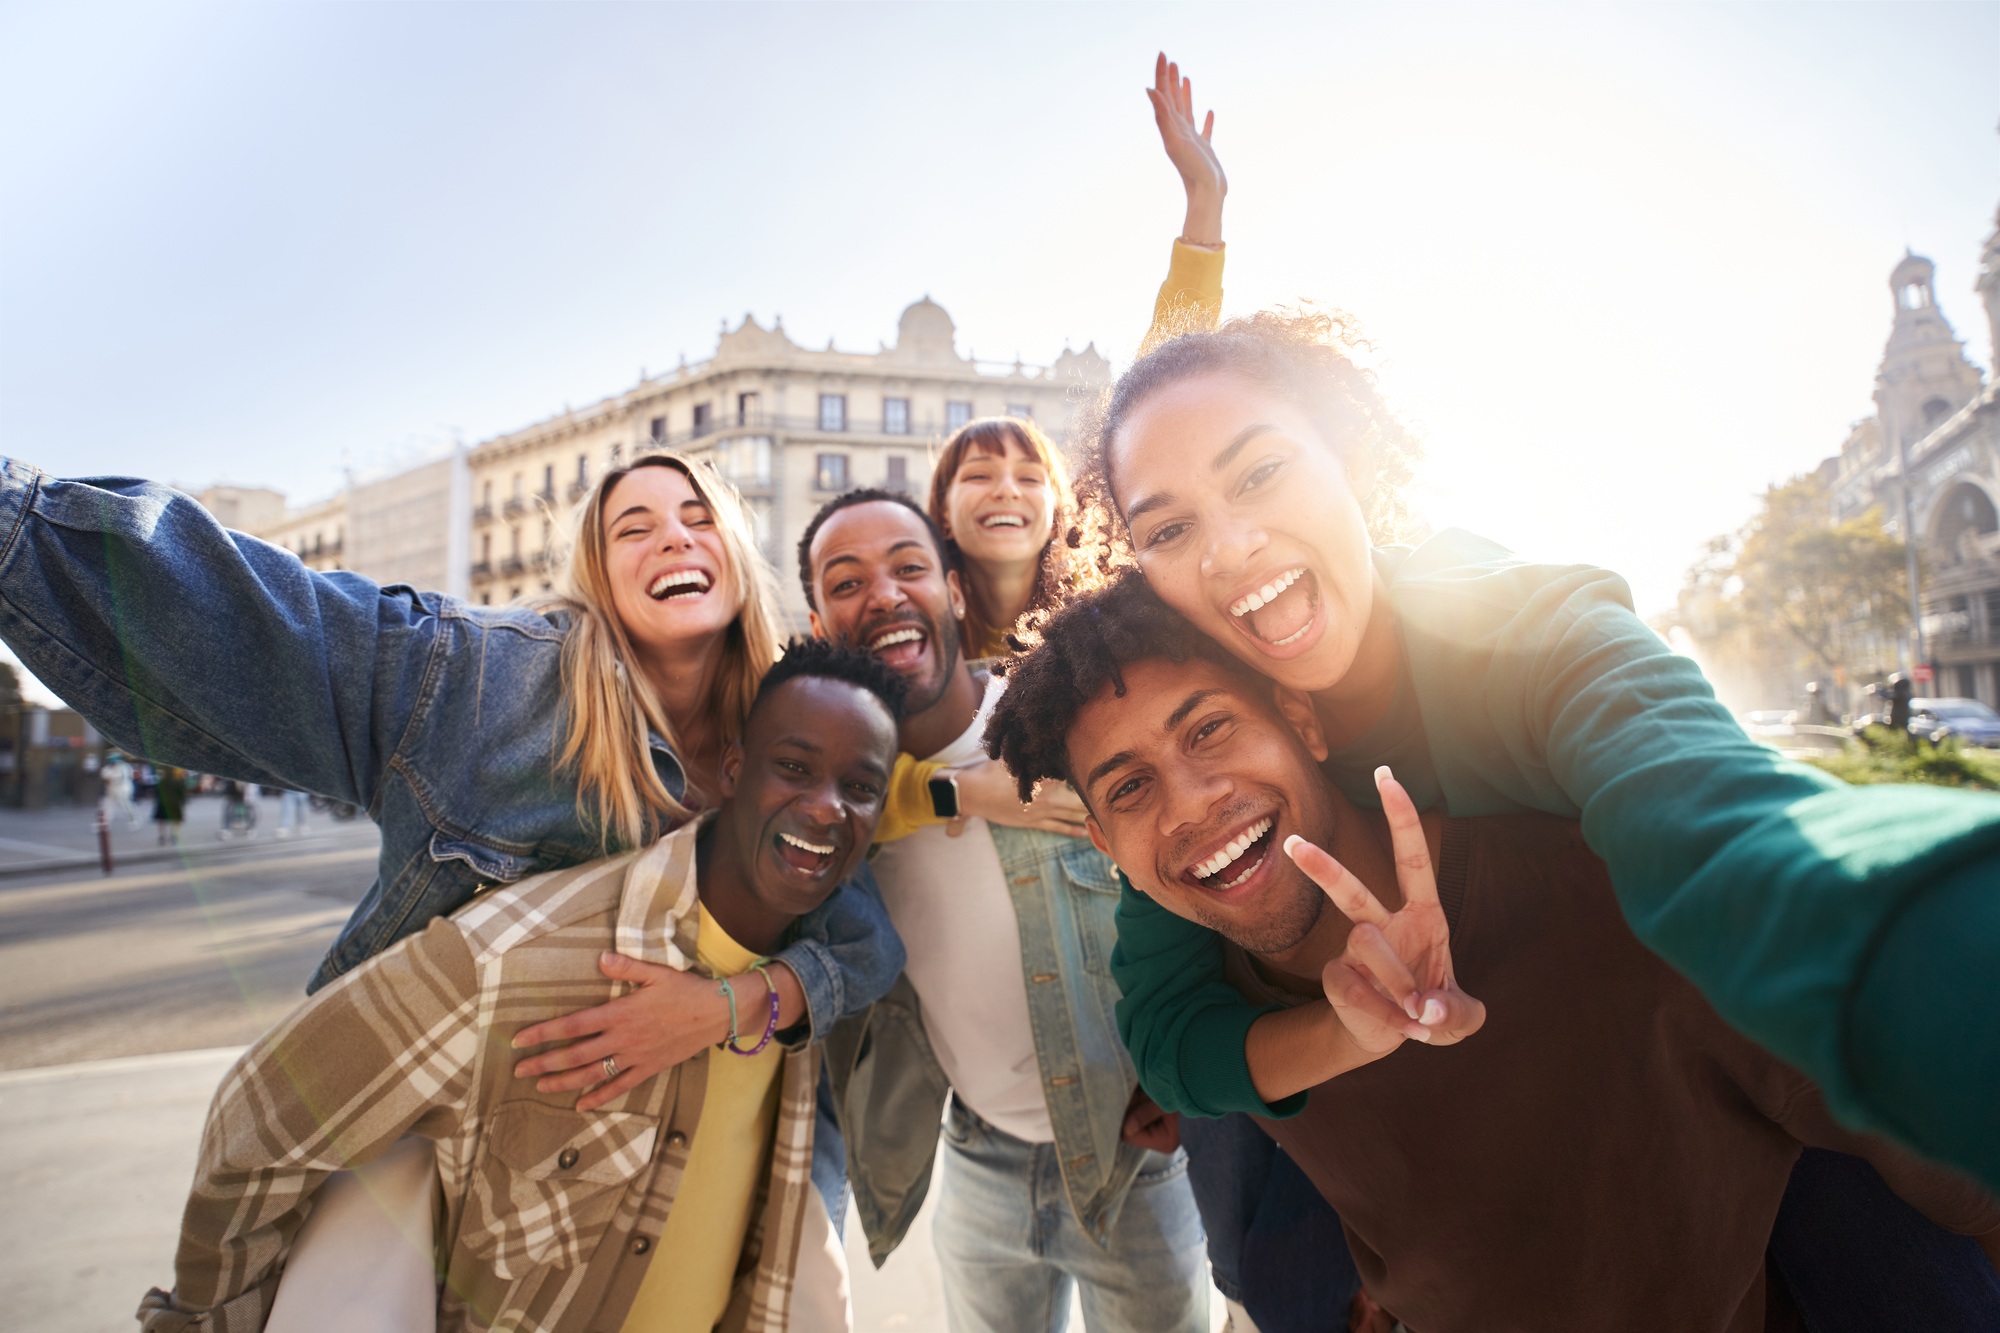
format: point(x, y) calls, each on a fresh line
point(770, 1023)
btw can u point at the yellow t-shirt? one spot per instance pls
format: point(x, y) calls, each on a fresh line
point(687, 1285)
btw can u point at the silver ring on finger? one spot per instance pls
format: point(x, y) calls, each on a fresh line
point(610, 1063)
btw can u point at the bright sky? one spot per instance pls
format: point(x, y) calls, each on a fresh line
point(1624, 266)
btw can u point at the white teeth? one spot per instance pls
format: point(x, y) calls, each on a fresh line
point(1265, 595)
point(1238, 845)
point(894, 637)
point(812, 847)
point(1004, 521)
point(691, 581)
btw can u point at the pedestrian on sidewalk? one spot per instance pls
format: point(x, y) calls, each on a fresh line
point(292, 808)
point(117, 775)
point(169, 803)
point(238, 815)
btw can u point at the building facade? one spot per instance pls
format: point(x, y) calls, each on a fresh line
point(1932, 450)
point(789, 426)
point(409, 527)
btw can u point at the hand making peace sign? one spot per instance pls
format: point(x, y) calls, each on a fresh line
point(1394, 980)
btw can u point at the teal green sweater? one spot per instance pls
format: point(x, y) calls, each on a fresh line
point(1855, 932)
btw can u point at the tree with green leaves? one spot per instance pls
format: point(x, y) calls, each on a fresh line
point(1834, 589)
point(1795, 594)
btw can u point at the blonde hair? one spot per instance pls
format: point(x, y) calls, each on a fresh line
point(612, 703)
point(1059, 573)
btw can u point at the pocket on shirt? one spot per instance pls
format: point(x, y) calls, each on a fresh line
point(548, 1181)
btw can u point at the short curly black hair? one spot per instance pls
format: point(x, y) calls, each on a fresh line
point(862, 495)
point(1084, 646)
point(827, 660)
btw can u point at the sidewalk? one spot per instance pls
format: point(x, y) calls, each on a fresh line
point(64, 837)
point(95, 1161)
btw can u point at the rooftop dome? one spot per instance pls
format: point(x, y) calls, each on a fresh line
point(926, 330)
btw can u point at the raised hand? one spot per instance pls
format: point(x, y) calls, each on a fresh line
point(1394, 980)
point(1191, 151)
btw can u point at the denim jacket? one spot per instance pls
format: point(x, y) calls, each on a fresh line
point(889, 1090)
point(213, 651)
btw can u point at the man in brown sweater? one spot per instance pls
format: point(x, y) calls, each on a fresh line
point(1584, 1145)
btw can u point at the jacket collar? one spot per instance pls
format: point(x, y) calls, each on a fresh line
point(659, 908)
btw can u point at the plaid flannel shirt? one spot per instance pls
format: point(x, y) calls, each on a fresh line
point(549, 1216)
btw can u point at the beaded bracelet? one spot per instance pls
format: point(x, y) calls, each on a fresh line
point(770, 1023)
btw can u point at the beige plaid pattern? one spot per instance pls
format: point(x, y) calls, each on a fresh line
point(550, 1216)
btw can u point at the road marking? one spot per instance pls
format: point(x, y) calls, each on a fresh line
point(279, 928)
point(260, 865)
point(127, 1064)
point(40, 848)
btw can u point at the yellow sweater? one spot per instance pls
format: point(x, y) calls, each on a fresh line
point(1189, 300)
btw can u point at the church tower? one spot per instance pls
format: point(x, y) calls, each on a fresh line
point(1924, 376)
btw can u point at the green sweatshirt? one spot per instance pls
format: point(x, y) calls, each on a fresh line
point(1854, 932)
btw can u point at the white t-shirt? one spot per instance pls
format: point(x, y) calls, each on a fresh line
point(948, 898)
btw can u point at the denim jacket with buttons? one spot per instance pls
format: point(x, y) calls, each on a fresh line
point(213, 651)
point(889, 1090)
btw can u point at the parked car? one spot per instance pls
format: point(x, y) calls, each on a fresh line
point(1969, 720)
point(1770, 725)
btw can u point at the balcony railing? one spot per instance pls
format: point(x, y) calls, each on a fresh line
point(482, 513)
point(514, 508)
point(482, 569)
point(578, 489)
point(868, 430)
point(1967, 638)
point(511, 566)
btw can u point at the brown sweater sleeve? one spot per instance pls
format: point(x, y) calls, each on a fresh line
point(1949, 1199)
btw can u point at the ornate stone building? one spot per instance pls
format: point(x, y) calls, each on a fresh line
point(790, 426)
point(1936, 429)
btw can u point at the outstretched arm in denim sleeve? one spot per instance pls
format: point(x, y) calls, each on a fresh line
point(200, 647)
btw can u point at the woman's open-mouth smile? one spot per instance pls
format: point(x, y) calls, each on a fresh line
point(680, 585)
point(1282, 615)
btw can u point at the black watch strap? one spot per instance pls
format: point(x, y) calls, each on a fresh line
point(944, 796)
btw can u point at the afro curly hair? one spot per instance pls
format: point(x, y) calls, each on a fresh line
point(1081, 647)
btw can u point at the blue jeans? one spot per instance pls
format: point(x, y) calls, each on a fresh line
point(1854, 1257)
point(1275, 1246)
point(1009, 1245)
point(1857, 1258)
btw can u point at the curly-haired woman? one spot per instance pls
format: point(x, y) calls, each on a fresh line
point(1253, 474)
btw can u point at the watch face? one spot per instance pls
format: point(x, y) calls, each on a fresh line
point(944, 798)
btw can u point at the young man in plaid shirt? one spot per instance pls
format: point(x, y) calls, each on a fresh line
point(550, 1218)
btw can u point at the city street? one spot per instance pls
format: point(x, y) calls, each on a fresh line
point(123, 999)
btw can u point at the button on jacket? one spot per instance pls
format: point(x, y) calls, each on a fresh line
point(550, 1215)
point(211, 650)
point(890, 1090)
